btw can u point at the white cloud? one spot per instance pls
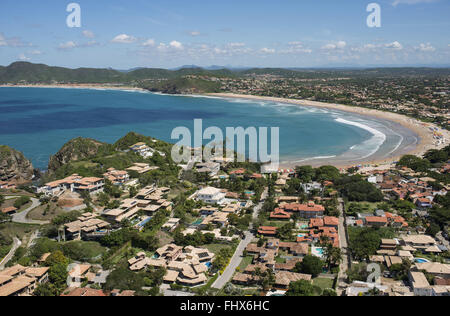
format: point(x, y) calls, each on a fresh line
point(234, 45)
point(36, 52)
point(149, 42)
point(124, 39)
point(195, 33)
point(394, 45)
point(24, 58)
point(425, 48)
point(67, 45)
point(337, 45)
point(266, 50)
point(88, 34)
point(176, 45)
point(397, 2)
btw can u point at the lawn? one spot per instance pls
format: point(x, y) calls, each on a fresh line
point(245, 262)
point(215, 248)
point(323, 283)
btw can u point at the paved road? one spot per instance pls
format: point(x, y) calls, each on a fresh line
point(22, 216)
point(16, 244)
point(344, 247)
point(237, 257)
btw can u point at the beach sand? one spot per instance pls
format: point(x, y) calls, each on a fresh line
point(423, 130)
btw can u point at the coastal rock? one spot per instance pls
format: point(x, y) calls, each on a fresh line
point(75, 150)
point(14, 166)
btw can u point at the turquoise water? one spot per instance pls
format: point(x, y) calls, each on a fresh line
point(39, 121)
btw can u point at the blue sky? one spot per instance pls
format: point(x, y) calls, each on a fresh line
point(258, 33)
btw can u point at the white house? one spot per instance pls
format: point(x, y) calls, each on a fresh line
point(211, 195)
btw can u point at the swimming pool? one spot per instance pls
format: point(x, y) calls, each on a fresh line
point(317, 251)
point(421, 260)
point(301, 235)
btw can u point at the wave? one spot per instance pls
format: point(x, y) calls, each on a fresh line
point(373, 144)
point(314, 158)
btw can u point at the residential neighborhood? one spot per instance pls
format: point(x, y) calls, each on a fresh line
point(230, 229)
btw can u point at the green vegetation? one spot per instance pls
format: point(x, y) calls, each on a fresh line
point(364, 241)
point(310, 265)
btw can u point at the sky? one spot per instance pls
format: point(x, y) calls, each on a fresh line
point(124, 34)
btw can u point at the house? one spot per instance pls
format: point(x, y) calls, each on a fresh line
point(218, 218)
point(74, 183)
point(267, 230)
point(85, 292)
point(419, 242)
point(142, 168)
point(388, 244)
point(331, 221)
point(438, 270)
point(87, 226)
point(210, 195)
point(184, 266)
point(211, 168)
point(420, 284)
point(309, 210)
point(171, 224)
point(21, 281)
point(376, 221)
point(142, 149)
point(9, 210)
point(279, 214)
point(424, 203)
point(284, 278)
point(295, 248)
point(117, 177)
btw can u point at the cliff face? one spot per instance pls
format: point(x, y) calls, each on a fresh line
point(74, 150)
point(14, 166)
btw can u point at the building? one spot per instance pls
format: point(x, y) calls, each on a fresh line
point(117, 177)
point(142, 149)
point(210, 195)
point(74, 183)
point(211, 168)
point(9, 210)
point(420, 284)
point(309, 210)
point(142, 168)
point(21, 281)
point(87, 226)
point(267, 231)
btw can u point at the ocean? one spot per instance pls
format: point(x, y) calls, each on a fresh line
point(38, 121)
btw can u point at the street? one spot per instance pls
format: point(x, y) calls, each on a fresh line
point(237, 257)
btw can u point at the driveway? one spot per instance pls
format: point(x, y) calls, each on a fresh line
point(16, 244)
point(22, 216)
point(237, 257)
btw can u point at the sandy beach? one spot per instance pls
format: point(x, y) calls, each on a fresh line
point(426, 140)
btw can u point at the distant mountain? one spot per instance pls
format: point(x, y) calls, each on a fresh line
point(25, 72)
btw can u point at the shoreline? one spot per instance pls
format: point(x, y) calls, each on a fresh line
point(87, 86)
point(426, 140)
point(422, 130)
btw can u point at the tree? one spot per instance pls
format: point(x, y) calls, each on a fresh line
point(310, 265)
point(301, 288)
point(55, 258)
point(329, 292)
point(21, 201)
point(415, 163)
point(2, 200)
point(46, 289)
